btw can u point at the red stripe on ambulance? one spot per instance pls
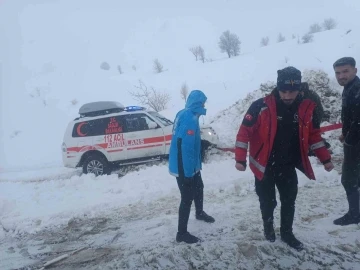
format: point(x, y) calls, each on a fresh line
point(144, 146)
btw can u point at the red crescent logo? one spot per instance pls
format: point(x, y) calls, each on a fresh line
point(78, 129)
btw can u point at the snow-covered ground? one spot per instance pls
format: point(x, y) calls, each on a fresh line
point(130, 222)
point(50, 65)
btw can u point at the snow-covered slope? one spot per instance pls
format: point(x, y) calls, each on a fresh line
point(50, 66)
point(53, 51)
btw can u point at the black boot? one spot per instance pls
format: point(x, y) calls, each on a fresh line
point(269, 231)
point(187, 238)
point(205, 217)
point(287, 219)
point(353, 216)
point(289, 238)
point(347, 219)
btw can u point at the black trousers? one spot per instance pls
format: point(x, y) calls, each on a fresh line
point(350, 177)
point(286, 181)
point(190, 189)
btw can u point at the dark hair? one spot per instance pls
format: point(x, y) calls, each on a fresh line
point(345, 61)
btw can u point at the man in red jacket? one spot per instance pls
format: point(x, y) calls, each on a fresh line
point(279, 130)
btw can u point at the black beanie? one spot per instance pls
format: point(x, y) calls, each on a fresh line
point(289, 79)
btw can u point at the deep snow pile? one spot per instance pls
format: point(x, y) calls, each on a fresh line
point(227, 122)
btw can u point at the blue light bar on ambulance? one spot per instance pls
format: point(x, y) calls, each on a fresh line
point(134, 108)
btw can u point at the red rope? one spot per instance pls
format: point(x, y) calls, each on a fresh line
point(331, 127)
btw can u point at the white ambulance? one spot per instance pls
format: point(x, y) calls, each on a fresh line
point(108, 134)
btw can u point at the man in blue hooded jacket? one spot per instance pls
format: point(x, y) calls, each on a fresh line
point(185, 163)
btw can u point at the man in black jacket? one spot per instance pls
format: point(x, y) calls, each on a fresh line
point(345, 72)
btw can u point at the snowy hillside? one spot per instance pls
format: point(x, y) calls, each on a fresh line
point(53, 51)
point(50, 58)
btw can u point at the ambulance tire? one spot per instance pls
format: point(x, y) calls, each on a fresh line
point(96, 164)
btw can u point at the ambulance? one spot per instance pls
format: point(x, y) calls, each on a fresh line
point(107, 134)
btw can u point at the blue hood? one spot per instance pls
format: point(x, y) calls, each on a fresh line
point(195, 102)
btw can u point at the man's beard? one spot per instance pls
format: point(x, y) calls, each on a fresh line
point(288, 102)
point(343, 82)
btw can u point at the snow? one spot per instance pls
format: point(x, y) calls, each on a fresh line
point(51, 72)
point(50, 66)
point(140, 213)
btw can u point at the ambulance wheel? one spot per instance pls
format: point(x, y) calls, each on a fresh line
point(96, 164)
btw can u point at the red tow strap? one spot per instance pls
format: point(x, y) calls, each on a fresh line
point(331, 127)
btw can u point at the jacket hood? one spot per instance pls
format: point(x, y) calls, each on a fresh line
point(195, 102)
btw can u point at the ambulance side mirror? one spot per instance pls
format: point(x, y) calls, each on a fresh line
point(152, 125)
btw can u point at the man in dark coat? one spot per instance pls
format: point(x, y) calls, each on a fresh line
point(345, 72)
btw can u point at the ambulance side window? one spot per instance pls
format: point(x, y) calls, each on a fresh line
point(88, 128)
point(137, 122)
point(98, 127)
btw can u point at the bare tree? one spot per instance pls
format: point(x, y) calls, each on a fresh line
point(15, 133)
point(329, 24)
point(41, 92)
point(119, 69)
point(293, 36)
point(133, 67)
point(229, 43)
point(267, 87)
point(195, 52)
point(264, 41)
point(315, 28)
point(318, 80)
point(74, 101)
point(201, 54)
point(280, 38)
point(150, 97)
point(198, 52)
point(158, 67)
point(330, 93)
point(184, 91)
point(307, 38)
point(105, 66)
